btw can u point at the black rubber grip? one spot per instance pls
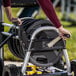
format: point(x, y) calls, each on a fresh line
point(67, 35)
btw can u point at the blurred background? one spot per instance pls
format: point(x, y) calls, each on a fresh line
point(66, 12)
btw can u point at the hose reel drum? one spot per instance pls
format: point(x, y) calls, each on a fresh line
point(41, 54)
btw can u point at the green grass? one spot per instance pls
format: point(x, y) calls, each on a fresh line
point(71, 43)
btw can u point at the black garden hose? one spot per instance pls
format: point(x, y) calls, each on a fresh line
point(39, 48)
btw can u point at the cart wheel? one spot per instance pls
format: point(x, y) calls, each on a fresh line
point(11, 70)
point(1, 67)
point(73, 65)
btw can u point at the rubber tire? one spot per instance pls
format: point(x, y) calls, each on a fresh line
point(11, 70)
point(73, 66)
point(1, 67)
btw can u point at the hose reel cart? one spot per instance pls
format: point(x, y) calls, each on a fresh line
point(30, 44)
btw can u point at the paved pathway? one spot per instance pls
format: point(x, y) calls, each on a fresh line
point(11, 62)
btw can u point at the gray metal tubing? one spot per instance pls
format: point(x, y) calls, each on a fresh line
point(68, 8)
point(1, 20)
point(1, 53)
point(52, 67)
point(27, 56)
point(67, 61)
point(1, 11)
point(26, 59)
point(42, 29)
point(63, 6)
point(10, 25)
point(35, 13)
point(8, 34)
point(26, 18)
point(56, 2)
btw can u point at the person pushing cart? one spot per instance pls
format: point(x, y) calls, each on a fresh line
point(47, 8)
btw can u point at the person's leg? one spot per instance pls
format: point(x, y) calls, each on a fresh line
point(28, 11)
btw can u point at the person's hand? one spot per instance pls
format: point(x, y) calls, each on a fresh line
point(16, 20)
point(63, 32)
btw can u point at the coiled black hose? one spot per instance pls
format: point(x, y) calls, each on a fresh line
point(40, 50)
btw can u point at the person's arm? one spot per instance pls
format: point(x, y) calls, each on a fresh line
point(48, 8)
point(7, 5)
point(9, 13)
